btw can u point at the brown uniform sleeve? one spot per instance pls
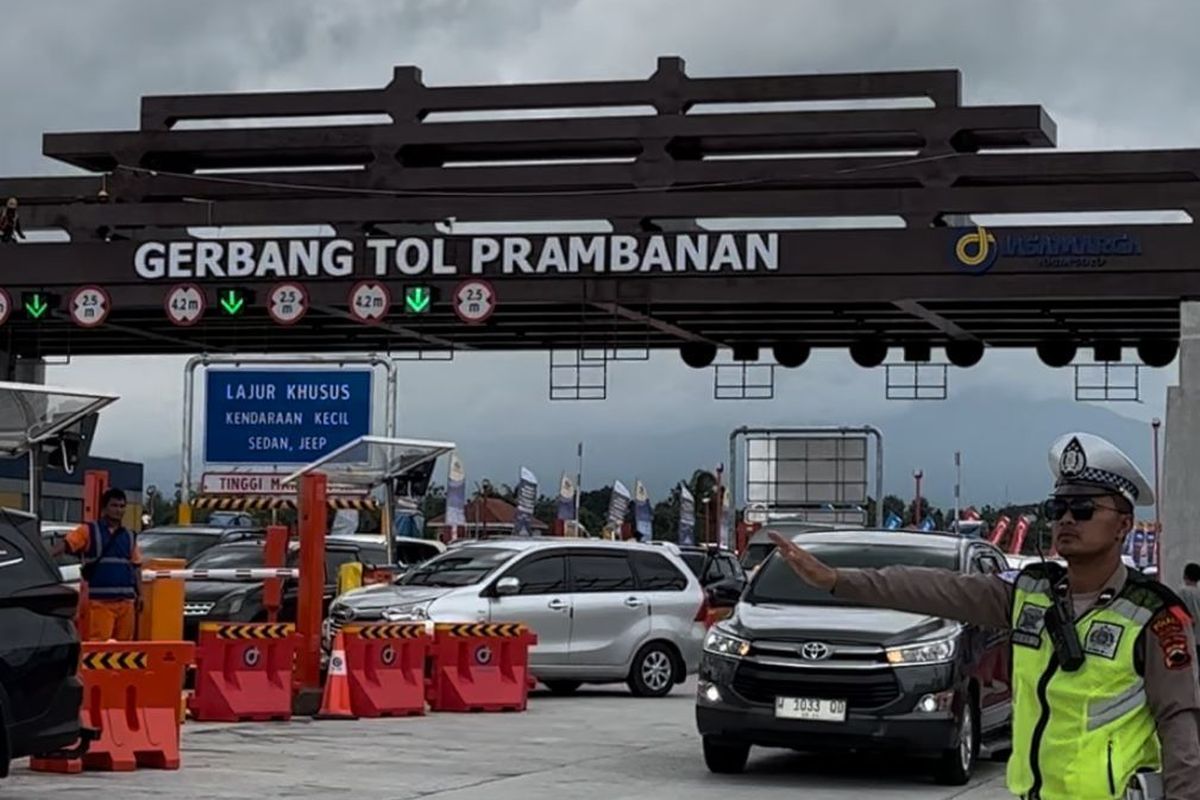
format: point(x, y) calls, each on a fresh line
point(1173, 694)
point(979, 599)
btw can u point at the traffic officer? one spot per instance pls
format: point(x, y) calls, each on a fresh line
point(1104, 683)
point(110, 558)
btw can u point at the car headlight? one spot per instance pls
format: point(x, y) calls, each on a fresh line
point(934, 651)
point(720, 643)
point(228, 605)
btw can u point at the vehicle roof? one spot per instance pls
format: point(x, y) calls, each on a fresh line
point(935, 539)
point(539, 543)
point(197, 530)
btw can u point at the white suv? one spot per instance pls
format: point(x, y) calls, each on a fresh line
point(603, 612)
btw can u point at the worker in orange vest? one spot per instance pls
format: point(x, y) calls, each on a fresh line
point(111, 565)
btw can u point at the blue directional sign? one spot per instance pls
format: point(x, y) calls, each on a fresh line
point(283, 416)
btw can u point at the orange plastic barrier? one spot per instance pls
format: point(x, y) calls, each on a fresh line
point(131, 696)
point(480, 667)
point(386, 664)
point(243, 672)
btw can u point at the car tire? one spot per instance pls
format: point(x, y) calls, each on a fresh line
point(724, 757)
point(957, 764)
point(653, 671)
point(563, 687)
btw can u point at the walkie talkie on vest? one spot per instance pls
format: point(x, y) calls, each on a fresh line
point(1060, 627)
point(1059, 620)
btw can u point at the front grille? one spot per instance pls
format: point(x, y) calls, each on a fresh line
point(861, 689)
point(197, 609)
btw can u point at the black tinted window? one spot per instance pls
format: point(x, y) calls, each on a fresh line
point(546, 575)
point(174, 545)
point(695, 562)
point(224, 557)
point(601, 572)
point(730, 567)
point(463, 566)
point(756, 554)
point(987, 563)
point(656, 574)
point(777, 583)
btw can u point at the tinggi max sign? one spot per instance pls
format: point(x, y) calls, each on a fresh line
point(283, 417)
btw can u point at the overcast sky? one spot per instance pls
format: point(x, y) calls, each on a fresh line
point(1111, 74)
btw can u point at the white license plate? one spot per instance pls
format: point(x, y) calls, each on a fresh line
point(810, 708)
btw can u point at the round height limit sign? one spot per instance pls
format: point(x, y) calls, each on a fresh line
point(89, 306)
point(287, 303)
point(474, 301)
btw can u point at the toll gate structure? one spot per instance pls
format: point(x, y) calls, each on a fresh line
point(673, 201)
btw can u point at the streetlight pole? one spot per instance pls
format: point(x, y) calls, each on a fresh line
point(1155, 425)
point(917, 475)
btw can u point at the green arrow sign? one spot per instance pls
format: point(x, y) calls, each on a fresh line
point(36, 306)
point(417, 299)
point(232, 302)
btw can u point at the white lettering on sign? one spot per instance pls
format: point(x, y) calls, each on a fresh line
point(415, 256)
point(256, 483)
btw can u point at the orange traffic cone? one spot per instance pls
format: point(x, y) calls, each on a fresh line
point(335, 704)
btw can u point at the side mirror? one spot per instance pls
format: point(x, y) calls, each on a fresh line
point(726, 593)
point(507, 586)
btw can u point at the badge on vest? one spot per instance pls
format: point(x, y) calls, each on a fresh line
point(1103, 638)
point(1030, 622)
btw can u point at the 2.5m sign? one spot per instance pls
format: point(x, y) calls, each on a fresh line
point(283, 417)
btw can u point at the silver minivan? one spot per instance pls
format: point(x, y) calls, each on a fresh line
point(603, 612)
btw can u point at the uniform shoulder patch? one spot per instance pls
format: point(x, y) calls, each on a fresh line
point(1027, 631)
point(1171, 635)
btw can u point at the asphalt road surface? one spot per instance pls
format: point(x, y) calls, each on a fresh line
point(602, 743)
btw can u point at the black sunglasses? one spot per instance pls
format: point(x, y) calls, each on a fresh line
point(1082, 508)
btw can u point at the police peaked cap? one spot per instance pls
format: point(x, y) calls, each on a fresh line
point(1086, 459)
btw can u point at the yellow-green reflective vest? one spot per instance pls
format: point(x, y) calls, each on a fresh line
point(1080, 735)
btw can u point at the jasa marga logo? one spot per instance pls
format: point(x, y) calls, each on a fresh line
point(977, 249)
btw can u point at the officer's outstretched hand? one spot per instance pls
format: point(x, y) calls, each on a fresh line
point(803, 563)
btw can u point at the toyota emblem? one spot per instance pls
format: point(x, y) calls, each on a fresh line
point(814, 651)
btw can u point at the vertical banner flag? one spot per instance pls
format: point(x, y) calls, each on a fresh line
point(892, 523)
point(1151, 546)
point(724, 526)
point(927, 524)
point(1139, 547)
point(527, 489)
point(618, 506)
point(456, 494)
point(687, 516)
point(642, 513)
point(999, 530)
point(1019, 534)
point(566, 498)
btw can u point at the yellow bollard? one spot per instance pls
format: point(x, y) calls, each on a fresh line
point(161, 617)
point(350, 576)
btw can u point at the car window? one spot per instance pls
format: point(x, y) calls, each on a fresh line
point(656, 574)
point(756, 554)
point(729, 567)
point(694, 560)
point(986, 563)
point(24, 562)
point(334, 559)
point(775, 582)
point(174, 545)
point(226, 557)
point(373, 556)
point(541, 575)
point(460, 567)
point(601, 572)
point(412, 553)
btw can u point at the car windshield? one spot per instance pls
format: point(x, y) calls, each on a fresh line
point(756, 554)
point(226, 557)
point(461, 567)
point(777, 583)
point(174, 545)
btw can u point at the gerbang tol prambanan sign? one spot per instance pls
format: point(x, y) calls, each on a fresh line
point(475, 255)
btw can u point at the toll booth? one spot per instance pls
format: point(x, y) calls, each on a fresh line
point(394, 467)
